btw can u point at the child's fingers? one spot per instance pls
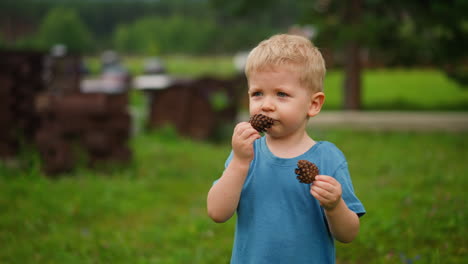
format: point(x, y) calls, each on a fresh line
point(248, 132)
point(252, 138)
point(320, 198)
point(323, 193)
point(325, 178)
point(244, 130)
point(239, 128)
point(324, 185)
point(328, 198)
point(327, 182)
point(243, 137)
point(324, 202)
point(315, 195)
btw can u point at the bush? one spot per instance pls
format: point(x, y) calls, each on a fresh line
point(63, 25)
point(154, 35)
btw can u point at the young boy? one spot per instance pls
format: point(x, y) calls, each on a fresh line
point(279, 219)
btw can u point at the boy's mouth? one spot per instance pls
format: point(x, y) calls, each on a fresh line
point(274, 120)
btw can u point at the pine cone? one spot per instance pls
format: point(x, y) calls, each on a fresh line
point(306, 171)
point(261, 122)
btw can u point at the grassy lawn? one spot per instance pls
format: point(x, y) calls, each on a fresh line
point(401, 89)
point(153, 210)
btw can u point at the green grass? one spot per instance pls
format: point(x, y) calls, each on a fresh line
point(150, 212)
point(401, 89)
point(413, 188)
point(153, 210)
point(384, 89)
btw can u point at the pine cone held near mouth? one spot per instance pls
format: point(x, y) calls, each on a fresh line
point(306, 171)
point(261, 122)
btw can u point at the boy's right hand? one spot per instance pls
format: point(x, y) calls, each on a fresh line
point(242, 141)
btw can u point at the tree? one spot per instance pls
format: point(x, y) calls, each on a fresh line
point(397, 33)
point(352, 64)
point(175, 34)
point(405, 33)
point(63, 25)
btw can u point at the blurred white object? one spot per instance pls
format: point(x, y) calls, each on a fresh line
point(240, 59)
point(109, 57)
point(308, 31)
point(152, 82)
point(58, 50)
point(154, 66)
point(114, 79)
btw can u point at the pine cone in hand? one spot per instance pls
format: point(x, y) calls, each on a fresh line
point(306, 171)
point(261, 122)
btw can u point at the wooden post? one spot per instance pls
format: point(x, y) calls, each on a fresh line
point(353, 66)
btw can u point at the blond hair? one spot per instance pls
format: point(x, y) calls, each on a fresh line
point(292, 51)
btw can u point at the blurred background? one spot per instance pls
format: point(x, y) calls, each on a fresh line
point(116, 118)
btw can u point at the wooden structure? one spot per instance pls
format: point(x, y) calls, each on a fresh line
point(41, 102)
point(196, 108)
point(96, 125)
point(79, 127)
point(20, 81)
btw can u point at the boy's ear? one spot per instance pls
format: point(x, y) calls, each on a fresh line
point(316, 103)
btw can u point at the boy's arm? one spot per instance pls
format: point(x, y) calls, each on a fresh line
point(224, 196)
point(343, 223)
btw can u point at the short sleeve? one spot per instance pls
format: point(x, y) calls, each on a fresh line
point(228, 160)
point(350, 198)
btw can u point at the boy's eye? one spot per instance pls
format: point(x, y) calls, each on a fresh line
point(257, 94)
point(281, 94)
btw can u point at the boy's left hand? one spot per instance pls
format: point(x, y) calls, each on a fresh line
point(327, 190)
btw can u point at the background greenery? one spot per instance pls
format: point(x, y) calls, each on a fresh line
point(132, 27)
point(424, 89)
point(153, 210)
point(357, 35)
point(396, 33)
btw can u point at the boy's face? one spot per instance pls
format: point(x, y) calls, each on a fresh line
point(278, 94)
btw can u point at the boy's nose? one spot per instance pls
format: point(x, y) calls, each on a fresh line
point(268, 105)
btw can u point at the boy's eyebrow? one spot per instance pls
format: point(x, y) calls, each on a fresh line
point(253, 89)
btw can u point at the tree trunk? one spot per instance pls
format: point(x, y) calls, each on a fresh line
point(353, 67)
point(352, 82)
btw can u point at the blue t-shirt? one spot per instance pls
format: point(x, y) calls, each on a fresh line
point(278, 220)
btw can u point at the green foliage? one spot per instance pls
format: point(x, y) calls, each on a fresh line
point(175, 34)
point(63, 25)
point(241, 36)
point(219, 101)
point(123, 39)
point(401, 33)
point(154, 210)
